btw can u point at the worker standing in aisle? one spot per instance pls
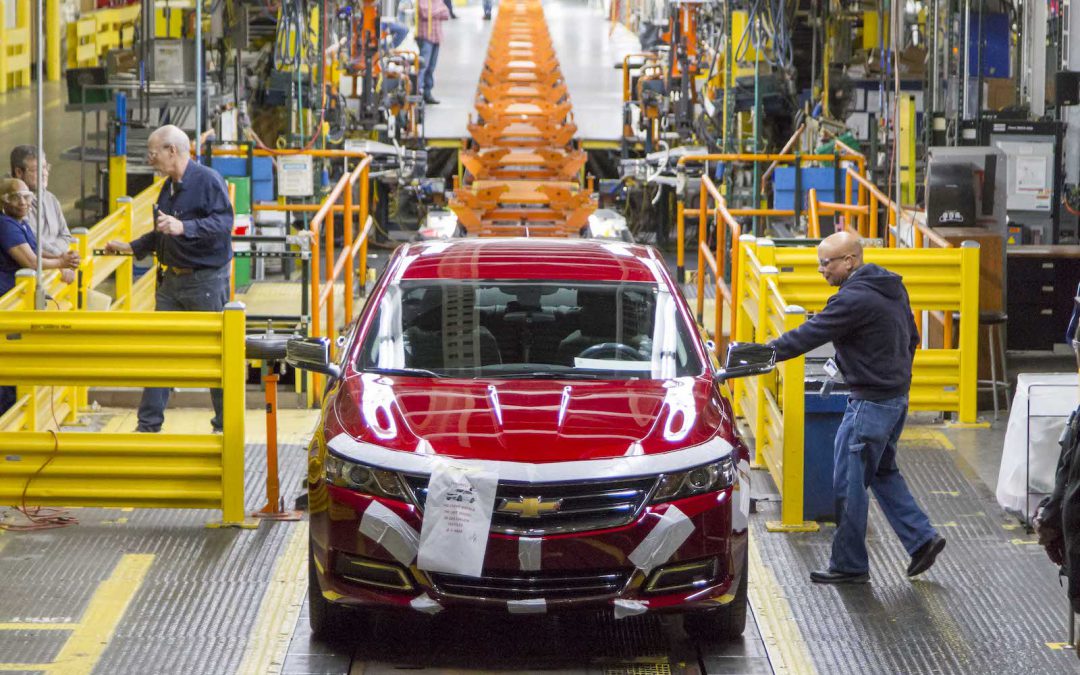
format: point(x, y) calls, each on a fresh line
point(192, 238)
point(429, 33)
point(870, 322)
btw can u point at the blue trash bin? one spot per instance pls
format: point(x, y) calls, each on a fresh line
point(823, 416)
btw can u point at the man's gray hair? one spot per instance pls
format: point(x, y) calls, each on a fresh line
point(22, 154)
point(175, 137)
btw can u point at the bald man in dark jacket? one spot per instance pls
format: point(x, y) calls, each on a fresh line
point(870, 323)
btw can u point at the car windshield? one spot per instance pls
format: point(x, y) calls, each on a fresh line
point(529, 329)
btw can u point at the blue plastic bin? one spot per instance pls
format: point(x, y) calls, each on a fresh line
point(823, 416)
point(262, 178)
point(821, 179)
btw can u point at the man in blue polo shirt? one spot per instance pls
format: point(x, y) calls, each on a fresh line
point(192, 238)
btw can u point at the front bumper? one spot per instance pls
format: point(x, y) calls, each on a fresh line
point(564, 572)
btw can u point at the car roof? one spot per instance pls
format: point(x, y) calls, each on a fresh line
point(532, 259)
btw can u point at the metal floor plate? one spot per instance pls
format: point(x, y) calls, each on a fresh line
point(991, 603)
point(141, 591)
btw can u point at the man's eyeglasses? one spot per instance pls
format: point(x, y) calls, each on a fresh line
point(824, 262)
point(25, 195)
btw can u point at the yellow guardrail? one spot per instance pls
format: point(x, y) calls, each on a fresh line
point(95, 33)
point(15, 49)
point(779, 285)
point(133, 349)
point(773, 405)
point(82, 48)
point(132, 219)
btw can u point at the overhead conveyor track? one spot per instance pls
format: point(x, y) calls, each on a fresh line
point(523, 167)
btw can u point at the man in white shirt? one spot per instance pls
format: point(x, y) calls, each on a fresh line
point(55, 236)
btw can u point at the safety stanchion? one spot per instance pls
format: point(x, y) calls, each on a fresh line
point(270, 348)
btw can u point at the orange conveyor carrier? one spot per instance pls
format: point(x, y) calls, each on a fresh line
point(523, 168)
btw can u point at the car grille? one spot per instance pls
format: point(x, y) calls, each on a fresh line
point(529, 585)
point(536, 509)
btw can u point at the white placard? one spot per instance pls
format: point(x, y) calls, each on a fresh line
point(457, 519)
point(295, 176)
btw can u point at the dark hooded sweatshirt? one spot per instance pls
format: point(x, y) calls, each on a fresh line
point(869, 321)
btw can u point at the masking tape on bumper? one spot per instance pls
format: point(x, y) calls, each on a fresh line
point(424, 603)
point(386, 528)
point(663, 540)
point(625, 608)
point(530, 606)
point(529, 553)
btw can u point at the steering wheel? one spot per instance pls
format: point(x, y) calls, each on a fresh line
point(616, 349)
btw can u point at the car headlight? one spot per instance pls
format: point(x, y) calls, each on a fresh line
point(699, 480)
point(363, 478)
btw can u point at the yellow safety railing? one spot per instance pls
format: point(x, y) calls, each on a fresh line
point(921, 235)
point(773, 405)
point(132, 219)
point(778, 285)
point(82, 48)
point(93, 34)
point(15, 48)
point(133, 349)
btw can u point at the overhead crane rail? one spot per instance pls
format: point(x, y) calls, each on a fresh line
point(523, 168)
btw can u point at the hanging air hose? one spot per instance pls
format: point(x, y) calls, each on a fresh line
point(291, 33)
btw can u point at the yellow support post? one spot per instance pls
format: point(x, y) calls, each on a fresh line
point(969, 331)
point(52, 37)
point(907, 148)
point(4, 43)
point(768, 272)
point(233, 367)
point(793, 402)
point(125, 274)
point(744, 327)
point(117, 180)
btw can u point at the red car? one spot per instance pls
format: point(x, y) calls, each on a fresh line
point(571, 370)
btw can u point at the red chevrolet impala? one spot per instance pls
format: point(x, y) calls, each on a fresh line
point(569, 375)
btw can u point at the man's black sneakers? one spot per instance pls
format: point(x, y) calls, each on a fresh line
point(925, 556)
point(830, 577)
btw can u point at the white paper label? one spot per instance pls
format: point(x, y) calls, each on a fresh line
point(457, 519)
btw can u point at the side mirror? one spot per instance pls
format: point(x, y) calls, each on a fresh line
point(747, 358)
point(311, 354)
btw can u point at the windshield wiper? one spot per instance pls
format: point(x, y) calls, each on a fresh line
point(546, 375)
point(409, 372)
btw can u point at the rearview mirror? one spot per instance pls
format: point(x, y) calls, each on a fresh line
point(747, 358)
point(311, 354)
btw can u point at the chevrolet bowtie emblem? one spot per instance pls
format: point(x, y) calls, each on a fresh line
point(529, 507)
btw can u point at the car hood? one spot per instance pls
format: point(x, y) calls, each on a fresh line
point(529, 421)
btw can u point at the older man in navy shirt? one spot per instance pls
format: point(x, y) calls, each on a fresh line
point(192, 238)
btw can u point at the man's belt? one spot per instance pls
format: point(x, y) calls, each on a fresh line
point(178, 271)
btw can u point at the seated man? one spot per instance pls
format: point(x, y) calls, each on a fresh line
point(19, 250)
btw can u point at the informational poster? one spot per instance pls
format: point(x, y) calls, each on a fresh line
point(457, 519)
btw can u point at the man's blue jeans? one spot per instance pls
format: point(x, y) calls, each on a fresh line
point(865, 457)
point(205, 290)
point(429, 56)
